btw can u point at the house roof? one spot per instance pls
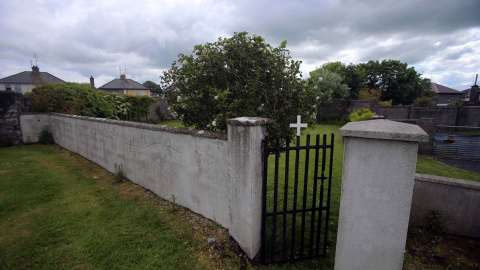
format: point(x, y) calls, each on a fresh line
point(440, 89)
point(31, 77)
point(123, 83)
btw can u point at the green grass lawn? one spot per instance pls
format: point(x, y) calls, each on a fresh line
point(58, 210)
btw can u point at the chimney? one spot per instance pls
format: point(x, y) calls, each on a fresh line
point(92, 82)
point(122, 77)
point(474, 94)
point(35, 70)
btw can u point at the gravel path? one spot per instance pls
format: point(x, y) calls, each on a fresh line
point(469, 165)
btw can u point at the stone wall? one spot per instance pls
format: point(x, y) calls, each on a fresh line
point(11, 105)
point(443, 115)
point(161, 105)
point(393, 112)
point(449, 116)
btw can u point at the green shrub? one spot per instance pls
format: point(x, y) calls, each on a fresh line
point(361, 115)
point(45, 137)
point(434, 222)
point(81, 99)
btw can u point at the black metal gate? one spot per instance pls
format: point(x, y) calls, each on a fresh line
point(296, 200)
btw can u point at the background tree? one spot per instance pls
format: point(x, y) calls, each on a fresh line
point(352, 76)
point(327, 85)
point(239, 76)
point(154, 88)
point(399, 83)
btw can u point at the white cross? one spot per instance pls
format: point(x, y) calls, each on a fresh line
point(298, 125)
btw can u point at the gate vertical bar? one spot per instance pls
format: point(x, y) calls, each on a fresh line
point(305, 187)
point(275, 198)
point(320, 212)
point(297, 157)
point(328, 195)
point(285, 200)
point(314, 199)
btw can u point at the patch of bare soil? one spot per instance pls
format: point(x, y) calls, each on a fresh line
point(430, 250)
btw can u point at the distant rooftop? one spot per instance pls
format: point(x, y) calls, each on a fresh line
point(440, 89)
point(123, 83)
point(31, 77)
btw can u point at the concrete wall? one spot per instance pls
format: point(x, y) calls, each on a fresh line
point(457, 201)
point(215, 177)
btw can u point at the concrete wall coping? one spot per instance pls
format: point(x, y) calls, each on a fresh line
point(384, 130)
point(249, 121)
point(447, 181)
point(175, 130)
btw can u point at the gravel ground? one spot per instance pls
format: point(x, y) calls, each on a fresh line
point(469, 165)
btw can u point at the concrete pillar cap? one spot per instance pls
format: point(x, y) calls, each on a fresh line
point(249, 121)
point(384, 130)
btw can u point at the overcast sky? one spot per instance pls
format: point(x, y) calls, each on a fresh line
point(74, 40)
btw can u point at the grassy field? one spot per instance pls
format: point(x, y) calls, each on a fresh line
point(58, 210)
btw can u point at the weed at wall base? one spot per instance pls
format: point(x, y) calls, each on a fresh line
point(45, 137)
point(118, 175)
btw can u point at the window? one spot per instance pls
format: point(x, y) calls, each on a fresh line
point(143, 92)
point(8, 87)
point(18, 88)
point(137, 92)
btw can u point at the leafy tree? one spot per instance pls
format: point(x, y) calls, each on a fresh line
point(398, 82)
point(352, 76)
point(327, 85)
point(335, 67)
point(239, 76)
point(154, 88)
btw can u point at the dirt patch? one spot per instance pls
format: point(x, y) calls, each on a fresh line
point(429, 250)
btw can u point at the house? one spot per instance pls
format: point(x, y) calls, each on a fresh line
point(123, 86)
point(24, 82)
point(446, 95)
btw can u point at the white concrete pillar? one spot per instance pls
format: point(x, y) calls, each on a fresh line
point(245, 135)
point(377, 185)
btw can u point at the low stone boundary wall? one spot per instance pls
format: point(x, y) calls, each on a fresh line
point(457, 201)
point(11, 105)
point(214, 174)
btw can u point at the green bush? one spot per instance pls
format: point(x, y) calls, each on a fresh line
point(45, 137)
point(361, 115)
point(81, 99)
